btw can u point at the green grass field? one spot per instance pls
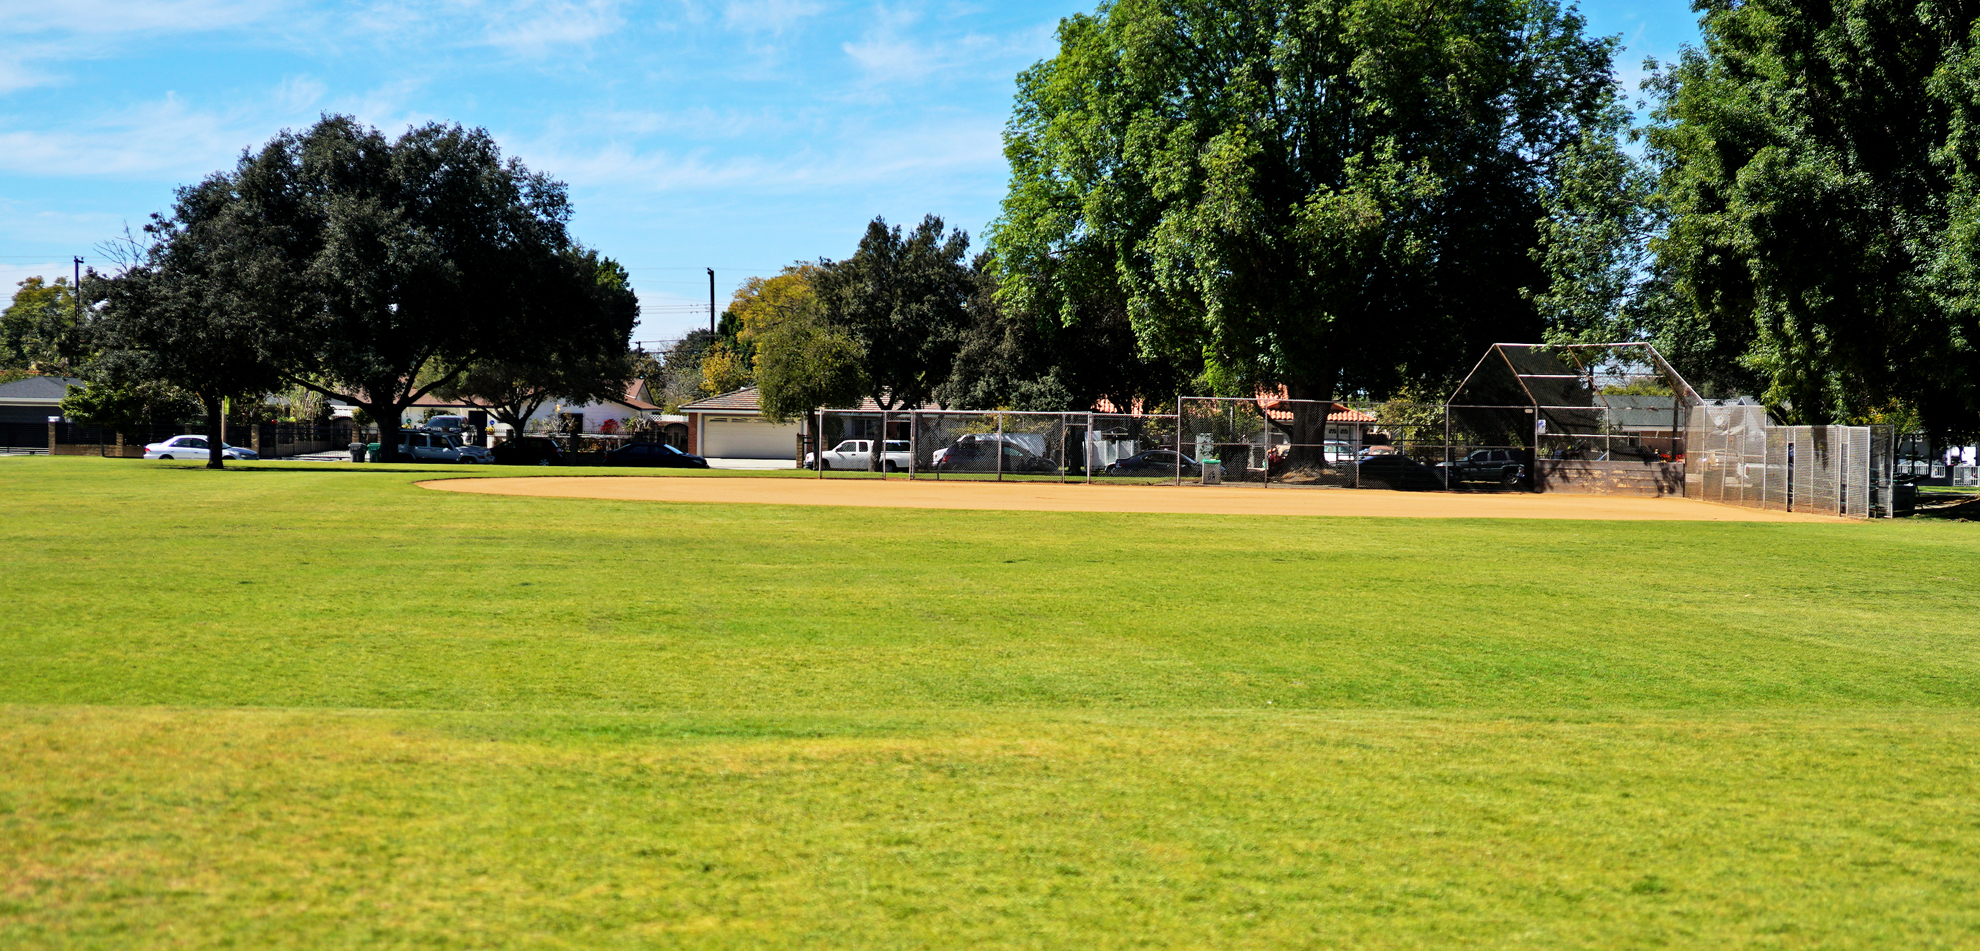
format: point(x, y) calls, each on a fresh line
point(316, 706)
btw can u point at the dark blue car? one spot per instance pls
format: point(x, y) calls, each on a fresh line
point(654, 454)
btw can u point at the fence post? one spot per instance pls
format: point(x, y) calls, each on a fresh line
point(1000, 445)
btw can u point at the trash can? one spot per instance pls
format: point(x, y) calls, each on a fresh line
point(1904, 500)
point(357, 452)
point(1213, 472)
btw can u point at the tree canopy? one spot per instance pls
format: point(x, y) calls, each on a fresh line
point(1333, 195)
point(901, 300)
point(1820, 167)
point(581, 360)
point(394, 266)
point(178, 316)
point(38, 330)
point(799, 361)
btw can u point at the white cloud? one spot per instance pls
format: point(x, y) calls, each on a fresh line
point(895, 50)
point(768, 16)
point(112, 17)
point(534, 27)
point(857, 158)
point(162, 137)
point(13, 273)
point(173, 139)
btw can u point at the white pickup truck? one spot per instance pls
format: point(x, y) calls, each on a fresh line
point(857, 454)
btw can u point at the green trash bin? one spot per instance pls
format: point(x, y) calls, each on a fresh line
point(1213, 472)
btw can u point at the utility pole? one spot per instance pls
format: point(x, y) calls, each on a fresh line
point(76, 291)
point(711, 300)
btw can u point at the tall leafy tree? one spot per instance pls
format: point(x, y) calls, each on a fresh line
point(1017, 357)
point(1821, 167)
point(179, 316)
point(38, 330)
point(799, 361)
point(902, 301)
point(582, 359)
point(397, 265)
point(1332, 195)
point(676, 374)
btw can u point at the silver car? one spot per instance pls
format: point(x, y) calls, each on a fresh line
point(436, 446)
point(194, 447)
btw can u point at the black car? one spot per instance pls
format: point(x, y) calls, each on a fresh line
point(974, 454)
point(1507, 467)
point(1155, 462)
point(528, 451)
point(654, 454)
point(1397, 471)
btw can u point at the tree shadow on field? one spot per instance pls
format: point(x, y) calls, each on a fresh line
point(1951, 506)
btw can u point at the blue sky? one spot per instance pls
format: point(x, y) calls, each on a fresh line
point(741, 135)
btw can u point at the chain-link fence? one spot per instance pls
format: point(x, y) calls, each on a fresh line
point(988, 445)
point(1739, 457)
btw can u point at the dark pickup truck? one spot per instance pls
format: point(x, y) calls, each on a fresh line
point(1507, 467)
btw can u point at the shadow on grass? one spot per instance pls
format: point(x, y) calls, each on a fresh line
point(1951, 506)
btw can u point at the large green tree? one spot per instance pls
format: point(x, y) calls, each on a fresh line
point(1332, 195)
point(902, 301)
point(178, 316)
point(1820, 164)
point(39, 330)
point(396, 265)
point(798, 360)
point(583, 359)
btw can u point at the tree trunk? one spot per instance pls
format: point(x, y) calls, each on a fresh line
point(1309, 403)
point(214, 446)
point(388, 431)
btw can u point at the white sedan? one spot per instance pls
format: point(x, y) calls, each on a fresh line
point(194, 447)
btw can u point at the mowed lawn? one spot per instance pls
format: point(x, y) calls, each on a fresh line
point(317, 706)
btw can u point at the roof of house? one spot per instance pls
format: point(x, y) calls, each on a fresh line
point(37, 390)
point(637, 398)
point(750, 400)
point(1338, 413)
point(745, 400)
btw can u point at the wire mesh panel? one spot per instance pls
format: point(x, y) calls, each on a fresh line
point(1881, 474)
point(850, 444)
point(1816, 488)
point(1409, 446)
point(1123, 447)
point(957, 445)
point(1774, 475)
point(1034, 447)
point(1233, 432)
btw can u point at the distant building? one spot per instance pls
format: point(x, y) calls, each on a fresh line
point(34, 399)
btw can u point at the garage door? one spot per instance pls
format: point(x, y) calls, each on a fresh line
point(747, 437)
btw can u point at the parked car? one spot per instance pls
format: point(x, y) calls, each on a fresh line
point(418, 445)
point(654, 454)
point(1507, 467)
point(447, 424)
point(858, 454)
point(528, 451)
point(1155, 462)
point(975, 453)
point(1393, 470)
point(194, 447)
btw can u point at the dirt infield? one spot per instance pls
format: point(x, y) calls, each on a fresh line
point(1076, 497)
